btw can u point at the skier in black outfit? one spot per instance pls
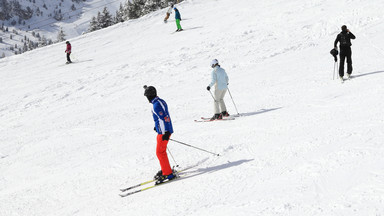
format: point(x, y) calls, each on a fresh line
point(344, 38)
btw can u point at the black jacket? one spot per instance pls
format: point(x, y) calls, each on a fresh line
point(345, 39)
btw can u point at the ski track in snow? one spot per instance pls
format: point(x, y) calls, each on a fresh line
point(72, 135)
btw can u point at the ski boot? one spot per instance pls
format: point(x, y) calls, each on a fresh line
point(158, 175)
point(224, 114)
point(165, 177)
point(216, 116)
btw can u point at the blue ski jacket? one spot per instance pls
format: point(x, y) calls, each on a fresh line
point(177, 14)
point(161, 116)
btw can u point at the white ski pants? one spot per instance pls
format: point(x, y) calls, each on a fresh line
point(219, 101)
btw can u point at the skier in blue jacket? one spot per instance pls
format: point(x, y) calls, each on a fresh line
point(178, 18)
point(219, 79)
point(164, 129)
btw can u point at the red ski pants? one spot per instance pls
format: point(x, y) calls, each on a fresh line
point(161, 152)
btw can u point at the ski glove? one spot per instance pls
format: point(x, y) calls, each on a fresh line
point(166, 136)
point(208, 88)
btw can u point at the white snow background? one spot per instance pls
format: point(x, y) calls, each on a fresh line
point(72, 135)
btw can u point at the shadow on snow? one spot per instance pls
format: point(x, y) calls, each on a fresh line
point(366, 74)
point(201, 171)
point(256, 113)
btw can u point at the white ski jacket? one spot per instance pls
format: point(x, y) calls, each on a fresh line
point(219, 78)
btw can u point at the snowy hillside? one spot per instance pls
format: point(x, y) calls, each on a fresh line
point(72, 135)
point(46, 18)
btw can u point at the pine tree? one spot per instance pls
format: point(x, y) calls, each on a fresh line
point(61, 35)
point(30, 45)
point(57, 15)
point(98, 19)
point(105, 19)
point(135, 9)
point(25, 47)
point(119, 14)
point(126, 10)
point(43, 41)
point(152, 5)
point(94, 25)
point(5, 9)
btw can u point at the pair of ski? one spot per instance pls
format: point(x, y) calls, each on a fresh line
point(126, 191)
point(205, 119)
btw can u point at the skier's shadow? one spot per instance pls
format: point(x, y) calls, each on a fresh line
point(366, 74)
point(255, 113)
point(196, 27)
point(201, 171)
point(85, 60)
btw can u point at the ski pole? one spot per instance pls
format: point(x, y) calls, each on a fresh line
point(212, 95)
point(233, 101)
point(172, 157)
point(334, 69)
point(194, 147)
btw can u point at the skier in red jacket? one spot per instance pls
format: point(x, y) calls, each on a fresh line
point(68, 51)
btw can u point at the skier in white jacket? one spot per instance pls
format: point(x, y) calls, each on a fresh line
point(219, 79)
point(169, 11)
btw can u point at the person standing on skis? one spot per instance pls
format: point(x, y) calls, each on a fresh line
point(169, 11)
point(178, 18)
point(68, 51)
point(164, 129)
point(344, 37)
point(219, 79)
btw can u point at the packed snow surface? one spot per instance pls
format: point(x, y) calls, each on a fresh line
point(305, 144)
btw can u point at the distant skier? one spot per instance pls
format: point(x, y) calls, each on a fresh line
point(68, 51)
point(344, 37)
point(169, 11)
point(178, 18)
point(164, 129)
point(219, 79)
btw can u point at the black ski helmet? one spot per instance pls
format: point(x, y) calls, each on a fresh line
point(67, 42)
point(150, 92)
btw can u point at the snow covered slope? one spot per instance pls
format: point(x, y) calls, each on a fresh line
point(72, 135)
point(72, 16)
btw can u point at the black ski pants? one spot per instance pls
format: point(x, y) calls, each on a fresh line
point(68, 59)
point(345, 52)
